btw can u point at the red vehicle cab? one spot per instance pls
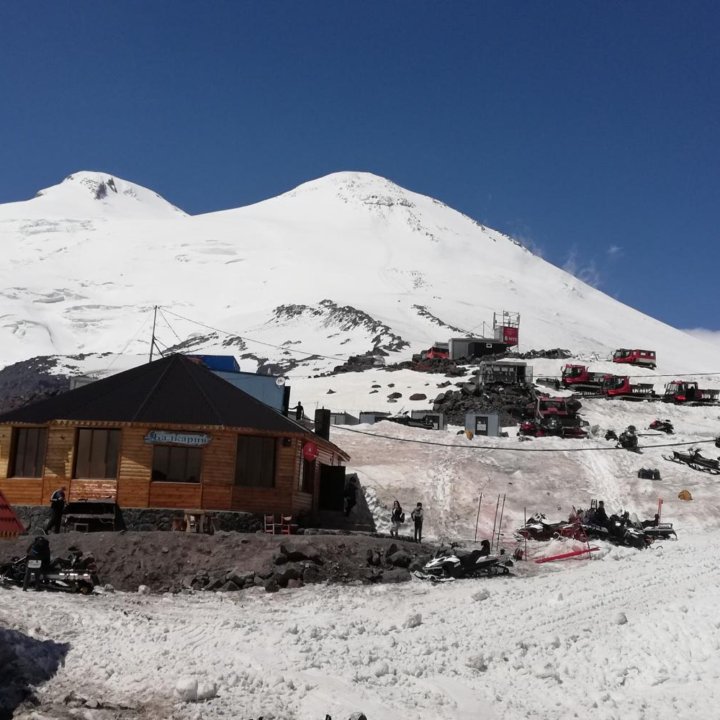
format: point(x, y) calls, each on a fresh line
point(646, 358)
point(580, 375)
point(436, 352)
point(681, 391)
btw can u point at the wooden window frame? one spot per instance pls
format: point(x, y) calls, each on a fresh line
point(178, 450)
point(101, 441)
point(265, 461)
point(36, 463)
point(306, 482)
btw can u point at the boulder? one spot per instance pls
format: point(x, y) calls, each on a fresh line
point(400, 559)
point(396, 575)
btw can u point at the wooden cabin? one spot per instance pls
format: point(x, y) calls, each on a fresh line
point(168, 434)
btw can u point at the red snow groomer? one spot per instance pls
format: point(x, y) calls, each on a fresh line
point(620, 386)
point(579, 379)
point(688, 393)
point(553, 416)
point(645, 358)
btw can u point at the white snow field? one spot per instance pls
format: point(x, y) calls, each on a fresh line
point(627, 636)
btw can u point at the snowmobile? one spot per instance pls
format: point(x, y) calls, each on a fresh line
point(662, 426)
point(656, 530)
point(617, 532)
point(404, 419)
point(454, 563)
point(628, 440)
point(624, 531)
point(695, 460)
point(74, 574)
point(538, 528)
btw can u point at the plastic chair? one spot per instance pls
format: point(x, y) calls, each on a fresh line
point(271, 527)
point(287, 526)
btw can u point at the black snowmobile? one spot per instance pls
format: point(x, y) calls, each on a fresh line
point(695, 460)
point(628, 440)
point(624, 531)
point(454, 563)
point(656, 530)
point(74, 574)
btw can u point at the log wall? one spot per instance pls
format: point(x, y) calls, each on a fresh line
point(134, 489)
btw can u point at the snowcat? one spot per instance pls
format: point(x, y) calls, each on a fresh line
point(621, 387)
point(645, 358)
point(580, 380)
point(686, 392)
point(553, 416)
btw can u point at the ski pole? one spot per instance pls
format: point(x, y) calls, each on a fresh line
point(502, 512)
point(492, 539)
point(477, 519)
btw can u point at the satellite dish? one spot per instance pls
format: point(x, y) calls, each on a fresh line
point(280, 381)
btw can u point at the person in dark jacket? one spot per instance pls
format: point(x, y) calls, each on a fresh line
point(57, 505)
point(397, 518)
point(39, 550)
point(417, 517)
point(350, 496)
point(600, 517)
point(484, 548)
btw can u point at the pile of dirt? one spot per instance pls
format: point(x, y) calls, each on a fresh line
point(173, 561)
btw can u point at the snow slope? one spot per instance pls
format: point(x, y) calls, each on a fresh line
point(626, 636)
point(347, 264)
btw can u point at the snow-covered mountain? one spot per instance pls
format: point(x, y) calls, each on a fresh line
point(343, 265)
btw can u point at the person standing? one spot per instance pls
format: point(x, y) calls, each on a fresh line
point(397, 518)
point(38, 554)
point(57, 505)
point(417, 517)
point(350, 496)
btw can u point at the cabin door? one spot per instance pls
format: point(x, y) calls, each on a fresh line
point(332, 486)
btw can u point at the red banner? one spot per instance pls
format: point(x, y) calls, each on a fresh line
point(510, 335)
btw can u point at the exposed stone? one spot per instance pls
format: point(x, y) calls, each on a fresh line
point(311, 575)
point(229, 586)
point(396, 575)
point(418, 396)
point(400, 559)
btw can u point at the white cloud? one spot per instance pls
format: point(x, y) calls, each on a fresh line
point(588, 273)
point(614, 251)
point(709, 336)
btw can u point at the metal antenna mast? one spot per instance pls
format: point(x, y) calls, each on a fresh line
point(152, 339)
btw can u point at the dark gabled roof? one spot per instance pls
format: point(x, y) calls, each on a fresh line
point(174, 390)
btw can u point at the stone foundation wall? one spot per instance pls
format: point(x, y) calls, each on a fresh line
point(34, 518)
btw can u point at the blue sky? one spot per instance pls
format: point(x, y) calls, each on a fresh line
point(589, 130)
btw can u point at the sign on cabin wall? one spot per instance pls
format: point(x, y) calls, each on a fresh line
point(167, 437)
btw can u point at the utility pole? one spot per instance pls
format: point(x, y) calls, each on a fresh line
point(152, 339)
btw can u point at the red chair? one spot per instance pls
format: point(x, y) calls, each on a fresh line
point(287, 526)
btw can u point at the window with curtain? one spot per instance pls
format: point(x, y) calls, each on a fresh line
point(307, 475)
point(27, 453)
point(172, 463)
point(255, 461)
point(96, 453)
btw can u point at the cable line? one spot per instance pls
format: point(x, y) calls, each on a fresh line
point(515, 449)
